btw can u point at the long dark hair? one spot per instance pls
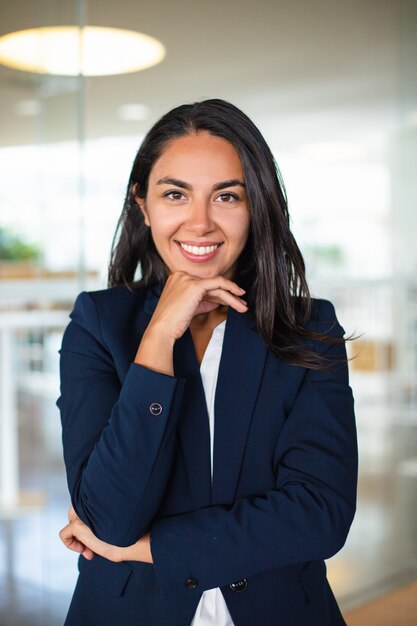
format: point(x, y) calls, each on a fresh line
point(270, 268)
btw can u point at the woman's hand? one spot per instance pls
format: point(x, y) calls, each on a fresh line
point(78, 537)
point(185, 296)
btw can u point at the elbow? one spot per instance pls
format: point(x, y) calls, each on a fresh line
point(107, 520)
point(79, 501)
point(329, 521)
point(90, 511)
point(348, 518)
point(340, 519)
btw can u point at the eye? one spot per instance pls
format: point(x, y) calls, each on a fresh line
point(174, 195)
point(228, 197)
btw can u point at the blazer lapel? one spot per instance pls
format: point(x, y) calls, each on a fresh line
point(128, 336)
point(240, 374)
point(193, 427)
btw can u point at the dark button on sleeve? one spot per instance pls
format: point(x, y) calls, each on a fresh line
point(240, 585)
point(191, 583)
point(155, 408)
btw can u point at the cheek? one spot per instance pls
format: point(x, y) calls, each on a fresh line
point(170, 218)
point(163, 227)
point(241, 231)
point(234, 222)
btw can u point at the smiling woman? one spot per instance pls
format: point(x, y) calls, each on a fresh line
point(202, 201)
point(208, 425)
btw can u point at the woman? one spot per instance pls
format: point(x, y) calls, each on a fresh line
point(187, 523)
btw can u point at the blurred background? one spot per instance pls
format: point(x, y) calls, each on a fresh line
point(332, 86)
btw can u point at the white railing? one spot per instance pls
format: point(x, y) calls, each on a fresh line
point(10, 323)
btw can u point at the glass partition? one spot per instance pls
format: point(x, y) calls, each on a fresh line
point(349, 170)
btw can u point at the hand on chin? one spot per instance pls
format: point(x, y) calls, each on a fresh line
point(205, 306)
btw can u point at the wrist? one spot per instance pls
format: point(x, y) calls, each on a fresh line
point(157, 333)
point(156, 351)
point(139, 551)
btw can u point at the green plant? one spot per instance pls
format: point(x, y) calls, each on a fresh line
point(13, 247)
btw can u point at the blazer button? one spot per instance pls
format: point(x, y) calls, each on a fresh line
point(239, 586)
point(155, 408)
point(191, 583)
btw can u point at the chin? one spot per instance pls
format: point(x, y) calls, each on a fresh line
point(202, 273)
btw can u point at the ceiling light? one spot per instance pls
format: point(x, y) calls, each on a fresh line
point(71, 50)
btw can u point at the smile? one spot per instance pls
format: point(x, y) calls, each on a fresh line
point(200, 252)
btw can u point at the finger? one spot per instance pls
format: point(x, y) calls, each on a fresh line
point(75, 545)
point(88, 554)
point(79, 532)
point(206, 306)
point(70, 541)
point(225, 297)
point(218, 295)
point(220, 282)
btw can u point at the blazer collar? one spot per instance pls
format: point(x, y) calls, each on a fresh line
point(152, 296)
point(240, 373)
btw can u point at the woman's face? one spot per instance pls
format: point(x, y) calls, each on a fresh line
point(196, 206)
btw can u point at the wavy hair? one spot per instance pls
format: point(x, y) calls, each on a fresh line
point(270, 268)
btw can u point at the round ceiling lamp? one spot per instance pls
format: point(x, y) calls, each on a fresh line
point(71, 51)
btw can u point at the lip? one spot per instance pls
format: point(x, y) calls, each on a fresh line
point(200, 243)
point(199, 258)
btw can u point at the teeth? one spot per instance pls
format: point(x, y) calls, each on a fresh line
point(199, 250)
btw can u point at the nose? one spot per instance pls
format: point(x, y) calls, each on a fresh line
point(199, 218)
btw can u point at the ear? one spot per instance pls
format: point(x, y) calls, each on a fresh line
point(142, 206)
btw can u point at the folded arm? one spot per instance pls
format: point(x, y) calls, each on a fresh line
point(306, 516)
point(78, 537)
point(118, 450)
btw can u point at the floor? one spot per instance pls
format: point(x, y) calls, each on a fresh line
point(37, 574)
point(398, 608)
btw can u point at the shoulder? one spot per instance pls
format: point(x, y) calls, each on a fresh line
point(322, 317)
point(327, 320)
point(92, 308)
point(322, 309)
point(116, 296)
point(320, 330)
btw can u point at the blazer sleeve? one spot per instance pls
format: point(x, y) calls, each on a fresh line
point(306, 516)
point(118, 453)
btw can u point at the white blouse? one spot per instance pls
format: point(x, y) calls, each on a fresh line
point(212, 609)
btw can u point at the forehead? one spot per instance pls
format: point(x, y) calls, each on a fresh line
point(199, 155)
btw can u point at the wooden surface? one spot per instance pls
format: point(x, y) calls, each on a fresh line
point(398, 608)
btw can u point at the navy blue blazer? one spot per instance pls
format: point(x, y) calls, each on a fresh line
point(283, 494)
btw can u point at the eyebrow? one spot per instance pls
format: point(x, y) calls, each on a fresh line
point(233, 182)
